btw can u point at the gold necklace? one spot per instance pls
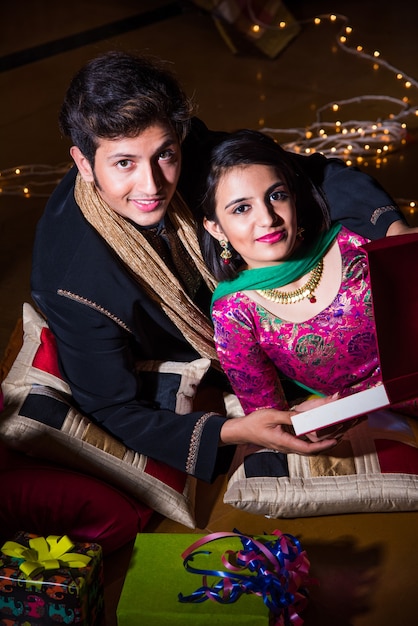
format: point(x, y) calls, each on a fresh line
point(306, 291)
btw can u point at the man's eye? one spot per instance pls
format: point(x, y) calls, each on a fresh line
point(166, 155)
point(124, 163)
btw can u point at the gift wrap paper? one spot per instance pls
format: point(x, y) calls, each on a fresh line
point(66, 595)
point(156, 576)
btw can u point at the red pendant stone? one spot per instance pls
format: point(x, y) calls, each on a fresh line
point(312, 299)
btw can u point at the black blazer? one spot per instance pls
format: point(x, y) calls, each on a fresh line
point(103, 322)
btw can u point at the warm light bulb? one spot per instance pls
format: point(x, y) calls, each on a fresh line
point(255, 28)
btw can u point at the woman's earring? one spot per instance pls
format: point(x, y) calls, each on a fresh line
point(226, 253)
point(299, 233)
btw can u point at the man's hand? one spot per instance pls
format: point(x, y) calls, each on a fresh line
point(272, 429)
point(400, 228)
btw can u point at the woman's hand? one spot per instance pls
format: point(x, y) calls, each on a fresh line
point(272, 429)
point(334, 431)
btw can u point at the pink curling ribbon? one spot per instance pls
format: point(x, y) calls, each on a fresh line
point(276, 570)
point(45, 554)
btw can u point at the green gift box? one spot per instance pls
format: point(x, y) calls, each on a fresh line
point(220, 578)
point(156, 576)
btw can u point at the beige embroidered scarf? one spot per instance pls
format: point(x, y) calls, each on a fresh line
point(147, 266)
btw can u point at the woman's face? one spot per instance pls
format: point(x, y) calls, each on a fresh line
point(256, 214)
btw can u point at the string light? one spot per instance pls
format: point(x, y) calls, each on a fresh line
point(368, 139)
point(31, 181)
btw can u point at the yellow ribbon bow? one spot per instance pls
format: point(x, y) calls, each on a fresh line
point(45, 554)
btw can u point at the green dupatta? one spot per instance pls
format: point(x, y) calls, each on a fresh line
point(279, 275)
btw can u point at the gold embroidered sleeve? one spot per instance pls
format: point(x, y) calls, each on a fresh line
point(195, 443)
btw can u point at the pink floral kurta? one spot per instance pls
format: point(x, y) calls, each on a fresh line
point(334, 351)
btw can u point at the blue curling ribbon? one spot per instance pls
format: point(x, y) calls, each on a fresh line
point(276, 570)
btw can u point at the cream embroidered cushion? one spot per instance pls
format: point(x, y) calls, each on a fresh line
point(39, 419)
point(374, 468)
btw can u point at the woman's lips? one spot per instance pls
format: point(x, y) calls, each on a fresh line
point(272, 237)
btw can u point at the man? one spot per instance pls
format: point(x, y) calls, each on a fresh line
point(117, 270)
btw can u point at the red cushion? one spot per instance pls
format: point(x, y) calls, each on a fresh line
point(38, 497)
point(46, 358)
point(396, 457)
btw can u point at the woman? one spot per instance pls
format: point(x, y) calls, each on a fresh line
point(294, 298)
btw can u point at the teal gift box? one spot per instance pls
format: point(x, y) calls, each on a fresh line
point(220, 578)
point(43, 583)
point(156, 576)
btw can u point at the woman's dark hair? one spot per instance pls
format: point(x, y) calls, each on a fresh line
point(118, 95)
point(250, 147)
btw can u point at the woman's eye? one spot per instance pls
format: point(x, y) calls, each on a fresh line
point(278, 196)
point(242, 208)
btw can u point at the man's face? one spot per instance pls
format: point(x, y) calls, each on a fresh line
point(137, 176)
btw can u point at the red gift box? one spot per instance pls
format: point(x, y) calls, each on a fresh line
point(392, 263)
point(61, 583)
